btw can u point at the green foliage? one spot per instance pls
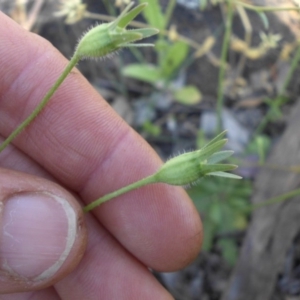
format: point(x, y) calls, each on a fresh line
point(188, 95)
point(153, 14)
point(259, 145)
point(229, 250)
point(224, 208)
point(171, 56)
point(275, 105)
point(145, 72)
point(170, 59)
point(264, 19)
point(151, 129)
point(203, 4)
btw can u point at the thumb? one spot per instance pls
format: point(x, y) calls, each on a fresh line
point(42, 232)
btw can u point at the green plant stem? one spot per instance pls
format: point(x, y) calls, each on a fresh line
point(281, 98)
point(294, 65)
point(277, 199)
point(74, 60)
point(123, 86)
point(225, 46)
point(169, 12)
point(109, 7)
point(265, 8)
point(135, 185)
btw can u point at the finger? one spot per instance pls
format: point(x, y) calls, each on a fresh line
point(105, 264)
point(13, 159)
point(46, 294)
point(109, 272)
point(80, 141)
point(43, 235)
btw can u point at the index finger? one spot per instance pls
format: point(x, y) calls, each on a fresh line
point(81, 141)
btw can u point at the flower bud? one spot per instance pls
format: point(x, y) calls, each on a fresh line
point(188, 168)
point(110, 37)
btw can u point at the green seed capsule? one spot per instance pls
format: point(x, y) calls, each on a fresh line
point(110, 37)
point(188, 168)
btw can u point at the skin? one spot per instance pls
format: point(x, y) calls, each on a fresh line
point(79, 144)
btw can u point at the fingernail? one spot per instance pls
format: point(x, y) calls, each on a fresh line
point(38, 232)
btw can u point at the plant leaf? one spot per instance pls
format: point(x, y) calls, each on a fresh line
point(144, 72)
point(224, 174)
point(218, 156)
point(217, 138)
point(188, 95)
point(145, 32)
point(153, 14)
point(127, 16)
point(229, 250)
point(173, 58)
point(264, 19)
point(209, 169)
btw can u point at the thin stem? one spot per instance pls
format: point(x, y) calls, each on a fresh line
point(169, 12)
point(34, 13)
point(248, 36)
point(135, 185)
point(225, 46)
point(294, 65)
point(281, 99)
point(277, 199)
point(109, 7)
point(265, 8)
point(137, 54)
point(74, 60)
point(124, 89)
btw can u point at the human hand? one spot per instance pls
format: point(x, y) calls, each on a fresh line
point(78, 144)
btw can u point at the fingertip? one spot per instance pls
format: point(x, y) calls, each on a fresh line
point(43, 235)
point(181, 232)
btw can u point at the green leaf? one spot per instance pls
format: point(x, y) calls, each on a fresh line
point(215, 213)
point(259, 145)
point(218, 156)
point(151, 129)
point(203, 4)
point(126, 17)
point(264, 19)
point(145, 32)
point(211, 169)
point(233, 201)
point(210, 230)
point(225, 175)
point(144, 72)
point(153, 14)
point(125, 37)
point(188, 95)
point(173, 58)
point(211, 148)
point(215, 139)
point(161, 48)
point(229, 250)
